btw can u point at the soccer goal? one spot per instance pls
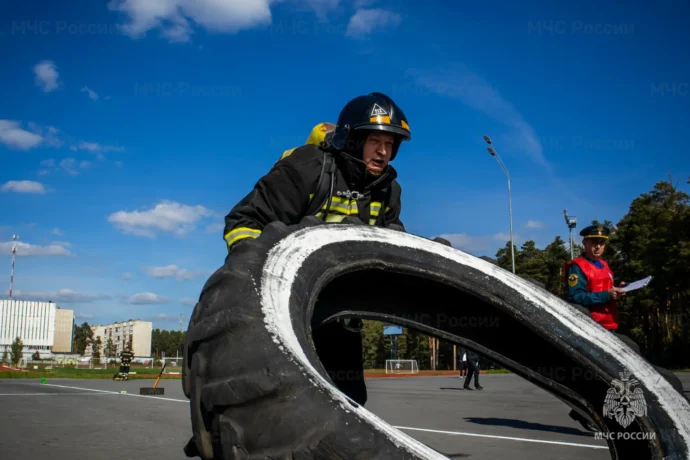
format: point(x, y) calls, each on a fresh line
point(402, 366)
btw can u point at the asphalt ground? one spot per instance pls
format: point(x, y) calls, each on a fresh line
point(67, 419)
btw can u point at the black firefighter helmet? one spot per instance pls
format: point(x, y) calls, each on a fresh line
point(374, 111)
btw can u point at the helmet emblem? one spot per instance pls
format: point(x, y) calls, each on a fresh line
point(377, 110)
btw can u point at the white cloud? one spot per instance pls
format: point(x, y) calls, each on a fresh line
point(83, 315)
point(215, 228)
point(478, 243)
point(57, 231)
point(62, 295)
point(166, 216)
point(12, 135)
point(48, 134)
point(46, 75)
point(64, 244)
point(127, 276)
point(174, 18)
point(69, 165)
point(96, 148)
point(505, 237)
point(188, 302)
point(320, 7)
point(362, 3)
point(31, 250)
point(23, 186)
point(164, 317)
point(365, 22)
point(171, 271)
point(92, 94)
point(460, 83)
point(534, 224)
point(147, 298)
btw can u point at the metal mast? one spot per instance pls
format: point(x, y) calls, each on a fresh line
point(14, 253)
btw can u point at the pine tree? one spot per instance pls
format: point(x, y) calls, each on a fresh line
point(16, 351)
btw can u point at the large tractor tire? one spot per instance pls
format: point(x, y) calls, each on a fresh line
point(258, 390)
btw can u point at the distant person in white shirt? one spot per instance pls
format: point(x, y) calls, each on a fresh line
point(463, 364)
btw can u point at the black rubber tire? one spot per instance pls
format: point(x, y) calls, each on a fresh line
point(258, 391)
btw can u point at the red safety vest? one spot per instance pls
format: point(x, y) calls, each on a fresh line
point(598, 280)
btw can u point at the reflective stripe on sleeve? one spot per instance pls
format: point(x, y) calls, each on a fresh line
point(239, 233)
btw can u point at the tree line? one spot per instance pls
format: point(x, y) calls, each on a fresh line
point(653, 238)
point(165, 342)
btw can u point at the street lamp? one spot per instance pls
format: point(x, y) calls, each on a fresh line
point(494, 154)
point(571, 222)
point(14, 253)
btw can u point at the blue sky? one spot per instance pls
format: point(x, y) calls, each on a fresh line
point(128, 131)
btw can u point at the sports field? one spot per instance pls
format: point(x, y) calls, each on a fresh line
point(65, 419)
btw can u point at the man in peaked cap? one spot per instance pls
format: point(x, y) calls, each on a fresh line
point(590, 284)
point(590, 279)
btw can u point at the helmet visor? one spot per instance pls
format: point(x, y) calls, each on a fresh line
point(405, 134)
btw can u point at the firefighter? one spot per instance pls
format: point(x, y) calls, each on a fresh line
point(125, 361)
point(343, 170)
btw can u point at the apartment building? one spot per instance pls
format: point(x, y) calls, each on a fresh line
point(133, 333)
point(64, 330)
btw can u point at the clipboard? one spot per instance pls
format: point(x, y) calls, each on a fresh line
point(637, 284)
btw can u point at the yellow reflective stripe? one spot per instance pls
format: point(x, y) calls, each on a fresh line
point(240, 237)
point(348, 211)
point(239, 233)
point(375, 208)
point(337, 199)
point(340, 218)
point(346, 207)
point(332, 217)
point(287, 153)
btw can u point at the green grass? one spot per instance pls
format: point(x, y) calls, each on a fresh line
point(440, 371)
point(148, 373)
point(75, 373)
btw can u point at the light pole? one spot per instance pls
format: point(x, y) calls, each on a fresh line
point(494, 154)
point(14, 253)
point(571, 222)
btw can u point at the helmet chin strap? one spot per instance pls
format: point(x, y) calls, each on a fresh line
point(355, 159)
point(367, 173)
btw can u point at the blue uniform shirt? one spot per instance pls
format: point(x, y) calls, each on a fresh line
point(578, 294)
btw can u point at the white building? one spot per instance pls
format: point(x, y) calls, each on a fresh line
point(64, 331)
point(32, 322)
point(133, 333)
